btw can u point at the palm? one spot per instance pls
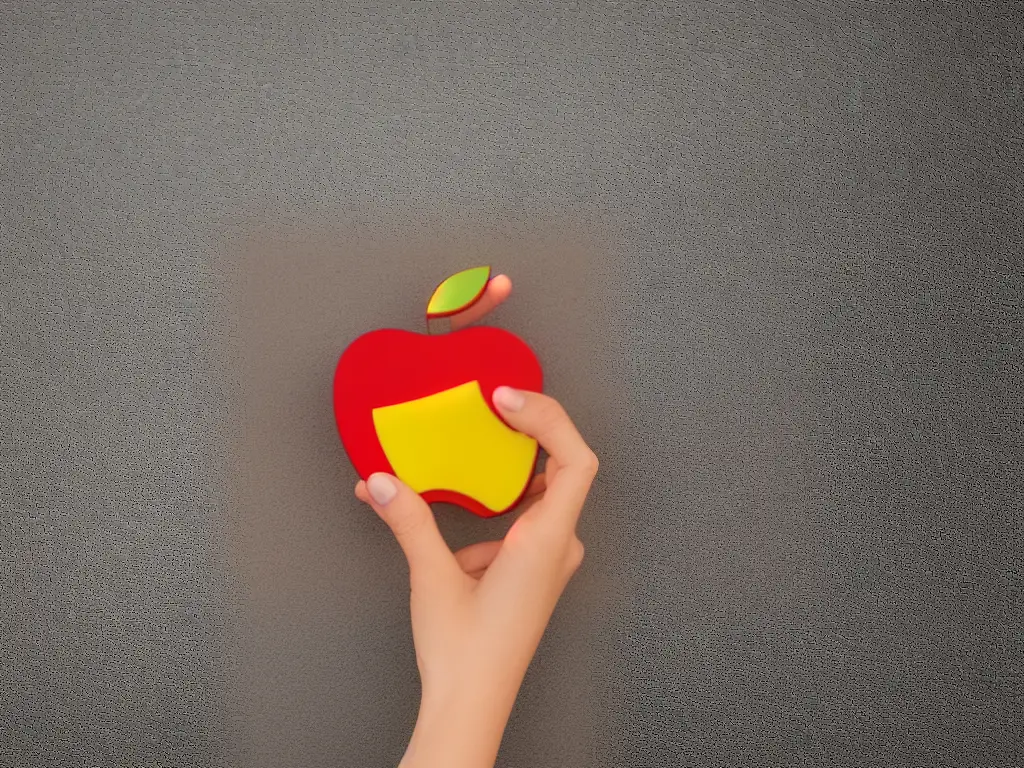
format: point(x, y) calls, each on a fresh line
point(477, 558)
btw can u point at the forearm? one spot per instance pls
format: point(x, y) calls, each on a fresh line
point(463, 731)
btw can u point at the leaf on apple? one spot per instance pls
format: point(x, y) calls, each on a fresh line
point(458, 292)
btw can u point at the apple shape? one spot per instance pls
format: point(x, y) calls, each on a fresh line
point(419, 406)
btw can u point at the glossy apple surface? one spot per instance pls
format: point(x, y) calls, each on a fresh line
point(430, 396)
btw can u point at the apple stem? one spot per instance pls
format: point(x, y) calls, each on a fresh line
point(439, 325)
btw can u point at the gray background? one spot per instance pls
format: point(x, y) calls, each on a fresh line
point(769, 253)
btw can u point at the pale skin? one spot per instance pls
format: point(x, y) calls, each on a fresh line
point(478, 614)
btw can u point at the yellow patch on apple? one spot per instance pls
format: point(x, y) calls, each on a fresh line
point(453, 441)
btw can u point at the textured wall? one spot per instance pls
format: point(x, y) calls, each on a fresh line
point(770, 254)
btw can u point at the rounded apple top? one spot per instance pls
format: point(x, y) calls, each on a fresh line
point(458, 292)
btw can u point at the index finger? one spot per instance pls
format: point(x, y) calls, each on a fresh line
point(544, 419)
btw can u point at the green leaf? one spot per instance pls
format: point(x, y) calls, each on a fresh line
point(458, 292)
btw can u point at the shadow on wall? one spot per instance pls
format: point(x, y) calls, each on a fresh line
point(326, 667)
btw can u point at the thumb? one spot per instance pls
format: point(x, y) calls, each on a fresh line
point(412, 522)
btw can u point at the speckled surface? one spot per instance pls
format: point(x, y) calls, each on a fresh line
point(770, 255)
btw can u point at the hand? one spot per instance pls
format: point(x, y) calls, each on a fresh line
point(479, 614)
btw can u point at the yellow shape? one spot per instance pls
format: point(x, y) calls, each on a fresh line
point(452, 441)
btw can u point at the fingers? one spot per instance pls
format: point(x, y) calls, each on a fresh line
point(412, 522)
point(361, 492)
point(498, 289)
point(545, 420)
point(536, 487)
point(477, 557)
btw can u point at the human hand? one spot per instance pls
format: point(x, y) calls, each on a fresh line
point(479, 614)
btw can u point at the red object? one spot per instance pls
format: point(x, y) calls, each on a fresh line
point(390, 366)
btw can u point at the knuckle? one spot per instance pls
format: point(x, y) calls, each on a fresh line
point(576, 552)
point(549, 412)
point(591, 463)
point(408, 524)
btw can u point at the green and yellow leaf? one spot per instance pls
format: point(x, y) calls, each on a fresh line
point(458, 292)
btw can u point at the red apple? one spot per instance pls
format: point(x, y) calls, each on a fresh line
point(437, 422)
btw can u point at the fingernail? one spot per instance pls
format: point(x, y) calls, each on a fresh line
point(509, 399)
point(382, 488)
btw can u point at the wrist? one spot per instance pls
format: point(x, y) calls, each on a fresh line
point(459, 728)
